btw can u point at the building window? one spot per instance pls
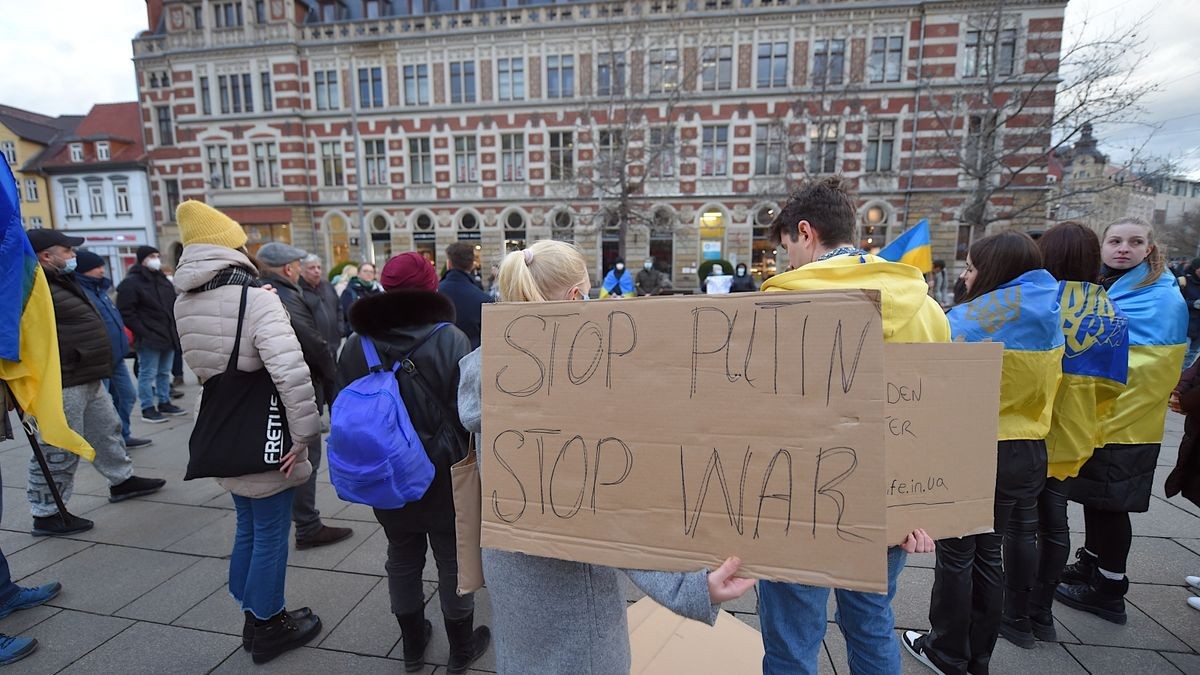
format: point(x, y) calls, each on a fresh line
point(9, 148)
point(829, 61)
point(512, 157)
point(266, 164)
point(218, 166)
point(881, 142)
point(223, 89)
point(171, 190)
point(661, 159)
point(205, 96)
point(610, 154)
point(716, 69)
point(664, 70)
point(560, 76)
point(198, 16)
point(981, 141)
point(714, 150)
point(331, 163)
point(326, 82)
point(511, 78)
point(772, 65)
point(466, 160)
point(983, 48)
point(769, 146)
point(370, 87)
point(236, 93)
point(562, 155)
point(375, 155)
point(371, 9)
point(268, 95)
point(416, 85)
point(887, 55)
point(610, 74)
point(121, 191)
point(77, 152)
point(260, 11)
point(462, 82)
point(420, 162)
point(31, 190)
point(71, 201)
point(96, 199)
point(102, 151)
point(227, 14)
point(35, 222)
point(822, 147)
point(329, 11)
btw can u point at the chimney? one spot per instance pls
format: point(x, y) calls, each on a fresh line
point(154, 10)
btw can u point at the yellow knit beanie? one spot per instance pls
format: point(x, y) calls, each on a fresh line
point(200, 223)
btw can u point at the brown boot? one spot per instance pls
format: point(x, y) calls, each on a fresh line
point(323, 537)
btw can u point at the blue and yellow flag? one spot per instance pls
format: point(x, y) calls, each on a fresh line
point(1024, 315)
point(29, 360)
point(1095, 364)
point(912, 248)
point(1158, 320)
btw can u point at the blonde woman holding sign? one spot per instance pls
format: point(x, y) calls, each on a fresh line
point(558, 616)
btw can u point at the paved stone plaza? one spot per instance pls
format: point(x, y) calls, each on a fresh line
point(144, 592)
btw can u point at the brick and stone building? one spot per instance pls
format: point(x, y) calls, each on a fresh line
point(360, 127)
point(24, 136)
point(1093, 190)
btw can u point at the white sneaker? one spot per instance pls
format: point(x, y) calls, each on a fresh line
point(909, 640)
point(1194, 602)
point(1194, 582)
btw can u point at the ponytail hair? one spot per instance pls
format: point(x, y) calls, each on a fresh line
point(546, 270)
point(1156, 259)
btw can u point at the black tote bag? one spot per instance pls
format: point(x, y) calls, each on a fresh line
point(242, 426)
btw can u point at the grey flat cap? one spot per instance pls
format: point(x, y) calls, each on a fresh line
point(277, 254)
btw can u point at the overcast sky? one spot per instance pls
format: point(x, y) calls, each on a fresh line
point(61, 56)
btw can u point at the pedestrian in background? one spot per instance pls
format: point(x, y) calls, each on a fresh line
point(343, 278)
point(1189, 285)
point(742, 281)
point(650, 281)
point(939, 284)
point(361, 285)
point(213, 270)
point(322, 300)
point(459, 286)
point(618, 283)
point(147, 303)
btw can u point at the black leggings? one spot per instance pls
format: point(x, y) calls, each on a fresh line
point(1109, 536)
point(1038, 540)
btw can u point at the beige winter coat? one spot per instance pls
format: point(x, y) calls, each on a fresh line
point(207, 322)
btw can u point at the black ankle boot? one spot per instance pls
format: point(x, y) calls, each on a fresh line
point(466, 645)
point(1081, 571)
point(1014, 624)
point(281, 633)
point(248, 627)
point(415, 630)
point(1041, 616)
point(1105, 597)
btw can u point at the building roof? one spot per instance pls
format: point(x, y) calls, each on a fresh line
point(117, 123)
point(36, 127)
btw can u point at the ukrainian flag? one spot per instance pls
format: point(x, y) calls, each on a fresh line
point(912, 248)
point(1158, 321)
point(1024, 315)
point(29, 361)
point(1095, 364)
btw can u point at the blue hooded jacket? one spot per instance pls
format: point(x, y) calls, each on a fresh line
point(97, 292)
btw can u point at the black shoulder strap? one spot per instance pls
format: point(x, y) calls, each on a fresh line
point(237, 341)
point(408, 366)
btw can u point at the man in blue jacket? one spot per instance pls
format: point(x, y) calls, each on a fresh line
point(89, 272)
point(459, 286)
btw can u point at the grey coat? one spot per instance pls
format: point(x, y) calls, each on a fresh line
point(557, 616)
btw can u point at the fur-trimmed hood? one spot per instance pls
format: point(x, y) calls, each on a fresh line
point(377, 315)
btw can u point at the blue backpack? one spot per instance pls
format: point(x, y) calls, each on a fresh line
point(375, 455)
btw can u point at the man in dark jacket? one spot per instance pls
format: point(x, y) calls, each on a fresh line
point(146, 299)
point(281, 268)
point(89, 272)
point(86, 357)
point(458, 285)
point(322, 299)
point(361, 286)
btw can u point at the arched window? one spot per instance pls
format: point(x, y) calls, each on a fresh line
point(514, 231)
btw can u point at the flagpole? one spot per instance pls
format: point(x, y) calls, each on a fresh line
point(38, 455)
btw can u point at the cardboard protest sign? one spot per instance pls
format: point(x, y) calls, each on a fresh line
point(942, 412)
point(664, 643)
point(670, 433)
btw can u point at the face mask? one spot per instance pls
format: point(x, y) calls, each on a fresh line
point(620, 267)
point(649, 265)
point(69, 267)
point(154, 264)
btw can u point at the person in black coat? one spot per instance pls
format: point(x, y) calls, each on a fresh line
point(458, 285)
point(146, 299)
point(322, 299)
point(361, 286)
point(1190, 287)
point(742, 281)
point(408, 313)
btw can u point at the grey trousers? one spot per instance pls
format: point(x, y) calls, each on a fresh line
point(304, 500)
point(90, 412)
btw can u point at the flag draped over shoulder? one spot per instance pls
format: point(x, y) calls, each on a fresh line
point(1095, 364)
point(29, 361)
point(912, 248)
point(1024, 315)
point(1158, 320)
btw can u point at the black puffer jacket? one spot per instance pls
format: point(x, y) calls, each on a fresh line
point(317, 354)
point(83, 345)
point(147, 303)
point(396, 321)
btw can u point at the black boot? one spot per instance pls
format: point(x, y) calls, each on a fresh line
point(466, 644)
point(1014, 624)
point(1105, 597)
point(1041, 616)
point(415, 630)
point(248, 627)
point(281, 633)
point(1081, 571)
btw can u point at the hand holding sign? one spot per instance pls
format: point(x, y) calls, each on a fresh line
point(918, 541)
point(723, 586)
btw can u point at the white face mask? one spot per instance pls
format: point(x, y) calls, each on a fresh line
point(648, 265)
point(620, 267)
point(741, 271)
point(154, 264)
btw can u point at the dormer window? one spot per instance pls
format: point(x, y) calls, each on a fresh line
point(77, 152)
point(102, 151)
point(329, 11)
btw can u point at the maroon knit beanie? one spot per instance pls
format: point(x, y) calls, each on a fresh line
point(409, 271)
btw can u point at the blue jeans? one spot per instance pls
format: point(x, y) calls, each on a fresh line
point(120, 388)
point(258, 565)
point(794, 620)
point(154, 376)
point(8, 590)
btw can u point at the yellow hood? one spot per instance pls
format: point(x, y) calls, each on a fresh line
point(909, 314)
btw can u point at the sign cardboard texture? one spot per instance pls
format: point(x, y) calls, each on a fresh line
point(941, 418)
point(664, 643)
point(670, 433)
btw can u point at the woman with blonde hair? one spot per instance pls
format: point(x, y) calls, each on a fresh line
point(557, 616)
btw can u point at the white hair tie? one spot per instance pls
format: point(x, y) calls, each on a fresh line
point(528, 257)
